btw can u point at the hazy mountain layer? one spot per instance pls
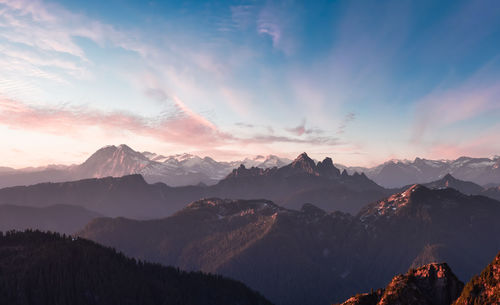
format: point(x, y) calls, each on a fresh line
point(56, 218)
point(396, 173)
point(310, 256)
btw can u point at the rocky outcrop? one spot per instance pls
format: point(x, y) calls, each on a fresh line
point(432, 284)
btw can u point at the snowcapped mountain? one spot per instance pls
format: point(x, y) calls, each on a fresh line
point(113, 161)
point(117, 161)
point(397, 173)
point(174, 170)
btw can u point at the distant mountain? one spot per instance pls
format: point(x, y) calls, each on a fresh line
point(483, 289)
point(432, 284)
point(465, 187)
point(128, 196)
point(187, 169)
point(302, 181)
point(311, 256)
point(117, 161)
point(396, 173)
point(44, 268)
point(448, 181)
point(56, 218)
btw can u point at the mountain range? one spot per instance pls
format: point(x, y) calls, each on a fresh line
point(188, 169)
point(117, 161)
point(465, 187)
point(44, 268)
point(311, 256)
point(396, 173)
point(131, 196)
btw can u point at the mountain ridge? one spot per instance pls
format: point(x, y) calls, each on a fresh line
point(341, 253)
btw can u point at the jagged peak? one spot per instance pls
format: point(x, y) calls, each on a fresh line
point(326, 167)
point(304, 164)
point(438, 270)
point(434, 282)
point(303, 158)
point(392, 204)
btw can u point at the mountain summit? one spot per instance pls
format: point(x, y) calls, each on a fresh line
point(115, 161)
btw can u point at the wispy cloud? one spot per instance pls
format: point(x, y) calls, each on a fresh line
point(345, 121)
point(266, 139)
point(301, 129)
point(273, 22)
point(181, 126)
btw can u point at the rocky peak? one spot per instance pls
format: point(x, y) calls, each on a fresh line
point(448, 181)
point(395, 203)
point(327, 168)
point(242, 171)
point(113, 161)
point(432, 284)
point(304, 163)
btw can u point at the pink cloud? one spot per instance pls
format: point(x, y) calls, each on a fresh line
point(182, 127)
point(301, 129)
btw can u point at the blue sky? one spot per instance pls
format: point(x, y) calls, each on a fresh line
point(361, 81)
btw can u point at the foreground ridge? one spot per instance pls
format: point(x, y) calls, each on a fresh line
point(435, 284)
point(432, 284)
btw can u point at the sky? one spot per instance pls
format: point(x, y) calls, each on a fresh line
point(359, 81)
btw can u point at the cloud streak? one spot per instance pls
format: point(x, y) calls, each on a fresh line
point(181, 126)
point(302, 130)
point(345, 121)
